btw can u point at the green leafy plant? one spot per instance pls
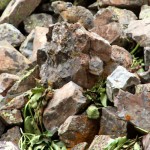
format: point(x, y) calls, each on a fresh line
point(35, 137)
point(98, 94)
point(92, 112)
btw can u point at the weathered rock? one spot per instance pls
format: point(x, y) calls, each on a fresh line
point(39, 41)
point(99, 142)
point(120, 79)
point(26, 47)
point(134, 108)
point(11, 117)
point(144, 76)
point(3, 4)
point(18, 10)
point(40, 20)
point(11, 61)
point(145, 12)
point(78, 129)
point(2, 128)
point(80, 146)
point(110, 124)
point(4, 145)
point(146, 142)
point(66, 101)
point(6, 82)
point(11, 34)
point(147, 57)
point(139, 31)
point(142, 87)
point(12, 135)
point(25, 83)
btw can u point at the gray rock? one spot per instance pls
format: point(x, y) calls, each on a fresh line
point(5, 145)
point(26, 47)
point(120, 79)
point(66, 101)
point(147, 57)
point(145, 12)
point(40, 20)
point(77, 129)
point(11, 34)
point(17, 10)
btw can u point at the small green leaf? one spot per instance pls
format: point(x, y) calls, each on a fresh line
point(92, 112)
point(136, 146)
point(104, 99)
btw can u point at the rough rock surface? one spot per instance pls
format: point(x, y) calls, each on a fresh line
point(142, 88)
point(145, 12)
point(145, 76)
point(146, 141)
point(8, 145)
point(18, 10)
point(80, 146)
point(147, 57)
point(66, 101)
point(78, 129)
point(11, 34)
point(120, 79)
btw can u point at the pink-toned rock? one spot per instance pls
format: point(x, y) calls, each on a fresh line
point(17, 10)
point(6, 82)
point(134, 108)
point(146, 142)
point(77, 129)
point(80, 146)
point(66, 101)
point(11, 61)
point(142, 88)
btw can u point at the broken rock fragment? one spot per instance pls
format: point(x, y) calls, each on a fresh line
point(66, 101)
point(78, 129)
point(120, 79)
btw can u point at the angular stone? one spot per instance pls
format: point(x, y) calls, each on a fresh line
point(8, 145)
point(147, 57)
point(11, 117)
point(11, 61)
point(40, 20)
point(26, 47)
point(146, 142)
point(80, 146)
point(144, 76)
point(120, 79)
point(145, 12)
point(39, 42)
point(78, 129)
point(99, 142)
point(142, 88)
point(26, 82)
point(13, 135)
point(18, 10)
point(110, 124)
point(11, 34)
point(66, 101)
point(3, 4)
point(121, 56)
point(6, 82)
point(96, 66)
point(139, 31)
point(134, 108)
point(2, 128)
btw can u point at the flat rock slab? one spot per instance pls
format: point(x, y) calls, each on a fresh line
point(11, 34)
point(17, 10)
point(134, 108)
point(66, 101)
point(77, 129)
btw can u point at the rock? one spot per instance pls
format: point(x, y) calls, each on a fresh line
point(8, 145)
point(3, 4)
point(66, 101)
point(40, 20)
point(39, 41)
point(99, 142)
point(145, 12)
point(96, 66)
point(25, 83)
point(11, 34)
point(78, 129)
point(12, 135)
point(121, 56)
point(139, 31)
point(142, 88)
point(26, 47)
point(134, 108)
point(6, 82)
point(144, 76)
point(17, 10)
point(80, 146)
point(11, 61)
point(2, 129)
point(147, 57)
point(110, 124)
point(146, 142)
point(120, 79)
point(11, 117)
